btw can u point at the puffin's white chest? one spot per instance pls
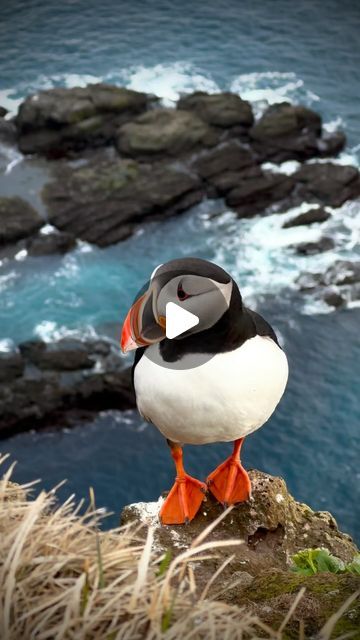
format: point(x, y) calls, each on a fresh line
point(226, 398)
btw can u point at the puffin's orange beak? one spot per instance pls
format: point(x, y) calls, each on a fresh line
point(130, 334)
point(134, 334)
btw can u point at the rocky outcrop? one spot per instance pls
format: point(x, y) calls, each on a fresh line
point(339, 284)
point(58, 121)
point(105, 200)
point(287, 131)
point(7, 131)
point(44, 244)
point(50, 384)
point(224, 110)
point(17, 220)
point(271, 527)
point(308, 217)
point(254, 193)
point(311, 248)
point(327, 183)
point(164, 132)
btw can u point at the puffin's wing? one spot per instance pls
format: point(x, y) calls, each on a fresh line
point(262, 327)
point(138, 354)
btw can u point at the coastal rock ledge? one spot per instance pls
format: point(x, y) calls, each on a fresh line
point(271, 528)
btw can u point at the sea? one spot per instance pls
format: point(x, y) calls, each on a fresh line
point(268, 52)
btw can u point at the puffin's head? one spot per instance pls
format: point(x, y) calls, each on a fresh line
point(198, 286)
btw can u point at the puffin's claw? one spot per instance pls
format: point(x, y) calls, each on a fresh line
point(183, 501)
point(230, 483)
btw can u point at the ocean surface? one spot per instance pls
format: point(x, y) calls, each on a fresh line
point(267, 52)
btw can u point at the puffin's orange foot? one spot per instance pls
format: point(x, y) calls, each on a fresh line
point(230, 483)
point(183, 501)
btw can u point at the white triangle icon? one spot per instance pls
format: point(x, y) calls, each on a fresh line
point(178, 320)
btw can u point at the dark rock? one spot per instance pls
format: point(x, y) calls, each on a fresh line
point(17, 220)
point(11, 366)
point(63, 356)
point(342, 272)
point(166, 132)
point(330, 144)
point(255, 193)
point(102, 202)
point(284, 119)
point(219, 109)
point(57, 384)
point(3, 112)
point(309, 217)
point(337, 286)
point(311, 248)
point(227, 157)
point(58, 121)
point(333, 297)
point(288, 132)
point(48, 244)
point(8, 133)
point(327, 183)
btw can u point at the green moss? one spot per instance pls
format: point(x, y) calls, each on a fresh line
point(325, 594)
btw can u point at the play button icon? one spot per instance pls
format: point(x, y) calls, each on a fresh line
point(178, 320)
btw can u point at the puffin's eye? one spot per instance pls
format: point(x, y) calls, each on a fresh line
point(181, 294)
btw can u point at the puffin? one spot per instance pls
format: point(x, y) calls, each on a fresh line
point(218, 381)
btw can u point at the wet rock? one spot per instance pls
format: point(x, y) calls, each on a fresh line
point(225, 158)
point(311, 248)
point(272, 527)
point(337, 286)
point(330, 144)
point(8, 134)
point(62, 356)
point(164, 132)
point(342, 272)
point(3, 112)
point(327, 183)
point(254, 193)
point(50, 243)
point(46, 385)
point(103, 201)
point(11, 366)
point(333, 297)
point(223, 110)
point(17, 220)
point(287, 131)
point(309, 217)
point(58, 121)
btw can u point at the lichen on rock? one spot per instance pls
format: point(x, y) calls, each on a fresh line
point(272, 526)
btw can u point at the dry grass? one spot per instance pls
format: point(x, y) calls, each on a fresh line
point(63, 579)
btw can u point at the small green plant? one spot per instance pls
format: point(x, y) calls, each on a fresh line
point(311, 561)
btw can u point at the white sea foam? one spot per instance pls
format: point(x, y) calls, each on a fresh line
point(50, 331)
point(271, 87)
point(168, 81)
point(10, 157)
point(259, 251)
point(288, 167)
point(6, 345)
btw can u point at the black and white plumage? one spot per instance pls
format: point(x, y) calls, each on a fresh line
point(219, 381)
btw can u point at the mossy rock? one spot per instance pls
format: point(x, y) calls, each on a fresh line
point(164, 132)
point(223, 110)
point(271, 595)
point(271, 527)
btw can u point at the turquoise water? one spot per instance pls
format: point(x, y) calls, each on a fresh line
point(268, 52)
